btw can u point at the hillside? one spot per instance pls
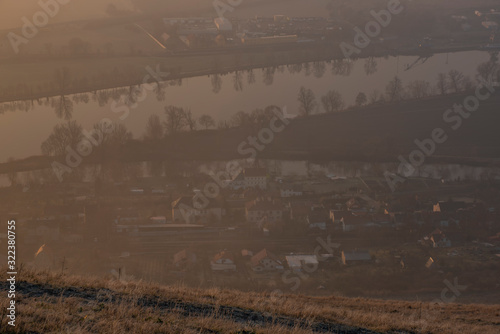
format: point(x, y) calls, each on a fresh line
point(52, 303)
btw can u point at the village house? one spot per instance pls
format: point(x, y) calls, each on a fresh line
point(184, 260)
point(250, 178)
point(236, 200)
point(356, 257)
point(246, 254)
point(267, 210)
point(317, 218)
point(298, 262)
point(436, 239)
point(187, 209)
point(265, 261)
point(291, 190)
point(223, 261)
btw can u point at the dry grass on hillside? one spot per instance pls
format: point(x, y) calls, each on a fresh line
point(51, 303)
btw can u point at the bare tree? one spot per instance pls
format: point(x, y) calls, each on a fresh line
point(62, 136)
point(332, 101)
point(112, 140)
point(63, 107)
point(394, 89)
point(342, 67)
point(419, 89)
point(222, 125)
point(120, 135)
point(490, 68)
point(467, 84)
point(295, 68)
point(263, 117)
point(319, 69)
point(250, 77)
point(376, 96)
point(189, 119)
point(307, 69)
point(268, 75)
point(442, 84)
point(175, 120)
point(361, 99)
point(154, 129)
point(160, 91)
point(13, 177)
point(238, 81)
point(307, 101)
point(456, 80)
point(371, 66)
point(62, 78)
point(241, 118)
point(216, 81)
point(207, 121)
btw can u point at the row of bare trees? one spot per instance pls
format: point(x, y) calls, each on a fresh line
point(332, 101)
point(177, 119)
point(447, 83)
point(71, 134)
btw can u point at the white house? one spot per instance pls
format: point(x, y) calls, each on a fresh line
point(297, 262)
point(223, 261)
point(287, 191)
point(264, 209)
point(250, 178)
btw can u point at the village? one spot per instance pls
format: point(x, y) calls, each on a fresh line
point(317, 233)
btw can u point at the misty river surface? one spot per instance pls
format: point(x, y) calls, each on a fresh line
point(22, 132)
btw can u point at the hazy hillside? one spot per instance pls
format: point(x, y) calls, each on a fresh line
point(69, 304)
point(90, 9)
point(87, 9)
point(74, 10)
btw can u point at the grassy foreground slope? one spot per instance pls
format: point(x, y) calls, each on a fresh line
point(51, 303)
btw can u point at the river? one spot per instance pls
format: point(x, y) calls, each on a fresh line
point(22, 132)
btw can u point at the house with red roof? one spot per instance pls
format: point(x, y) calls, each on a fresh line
point(223, 261)
point(265, 261)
